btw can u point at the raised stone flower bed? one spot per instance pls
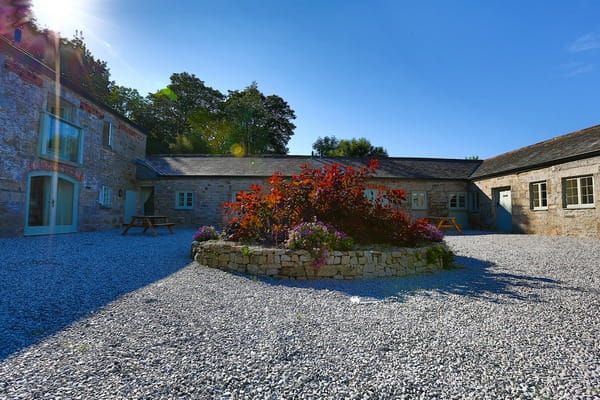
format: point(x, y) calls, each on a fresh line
point(297, 264)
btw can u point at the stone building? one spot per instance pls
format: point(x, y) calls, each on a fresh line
point(68, 163)
point(548, 188)
point(191, 189)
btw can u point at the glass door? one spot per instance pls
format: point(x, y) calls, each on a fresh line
point(52, 204)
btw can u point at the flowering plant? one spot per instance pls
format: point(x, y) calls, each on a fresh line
point(334, 194)
point(318, 239)
point(205, 232)
point(431, 232)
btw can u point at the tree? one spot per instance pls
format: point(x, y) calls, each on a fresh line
point(80, 67)
point(330, 146)
point(179, 111)
point(325, 146)
point(127, 101)
point(261, 124)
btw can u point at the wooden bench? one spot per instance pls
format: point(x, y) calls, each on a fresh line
point(443, 223)
point(169, 225)
point(149, 222)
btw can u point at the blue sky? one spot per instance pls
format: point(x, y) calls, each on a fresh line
point(430, 78)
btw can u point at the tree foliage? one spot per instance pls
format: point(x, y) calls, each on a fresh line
point(362, 147)
point(261, 124)
point(187, 116)
point(333, 195)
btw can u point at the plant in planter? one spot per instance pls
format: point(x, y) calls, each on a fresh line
point(318, 239)
point(334, 195)
point(204, 233)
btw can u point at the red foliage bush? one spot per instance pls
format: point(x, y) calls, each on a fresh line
point(333, 195)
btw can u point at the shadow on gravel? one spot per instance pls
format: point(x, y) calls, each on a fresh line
point(474, 278)
point(47, 283)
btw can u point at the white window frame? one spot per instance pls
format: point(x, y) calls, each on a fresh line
point(458, 195)
point(110, 134)
point(415, 205)
point(182, 203)
point(579, 203)
point(105, 197)
point(50, 121)
point(536, 187)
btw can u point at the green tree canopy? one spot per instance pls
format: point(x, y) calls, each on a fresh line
point(325, 146)
point(362, 147)
point(260, 124)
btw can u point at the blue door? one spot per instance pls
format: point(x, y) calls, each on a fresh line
point(504, 211)
point(130, 205)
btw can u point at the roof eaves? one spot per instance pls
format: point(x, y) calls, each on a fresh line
point(532, 167)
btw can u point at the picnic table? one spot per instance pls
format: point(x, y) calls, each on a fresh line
point(445, 223)
point(149, 222)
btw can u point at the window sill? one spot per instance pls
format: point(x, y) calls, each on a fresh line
point(580, 207)
point(60, 160)
point(539, 209)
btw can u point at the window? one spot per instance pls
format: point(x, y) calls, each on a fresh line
point(105, 197)
point(474, 201)
point(107, 134)
point(373, 194)
point(184, 200)
point(418, 200)
point(579, 192)
point(60, 137)
point(457, 201)
point(370, 194)
point(539, 196)
point(61, 108)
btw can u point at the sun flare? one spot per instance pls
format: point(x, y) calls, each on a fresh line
point(64, 16)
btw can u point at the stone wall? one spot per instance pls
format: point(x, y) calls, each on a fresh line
point(24, 93)
point(211, 192)
point(297, 264)
point(556, 219)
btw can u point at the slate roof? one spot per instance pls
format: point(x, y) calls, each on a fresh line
point(264, 166)
point(573, 146)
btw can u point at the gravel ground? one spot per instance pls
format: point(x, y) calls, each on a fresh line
point(99, 316)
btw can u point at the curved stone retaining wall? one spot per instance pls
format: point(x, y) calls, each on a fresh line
point(297, 264)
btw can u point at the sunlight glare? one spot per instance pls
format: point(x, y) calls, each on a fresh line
point(64, 16)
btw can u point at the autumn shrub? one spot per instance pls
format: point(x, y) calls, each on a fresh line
point(334, 195)
point(319, 240)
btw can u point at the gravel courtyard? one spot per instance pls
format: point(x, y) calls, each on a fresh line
point(101, 316)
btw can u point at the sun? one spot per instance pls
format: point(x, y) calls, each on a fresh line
point(64, 16)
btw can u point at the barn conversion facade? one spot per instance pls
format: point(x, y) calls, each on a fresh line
point(70, 163)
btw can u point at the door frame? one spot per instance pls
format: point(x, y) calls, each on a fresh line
point(52, 228)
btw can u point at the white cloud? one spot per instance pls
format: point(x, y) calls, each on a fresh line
point(576, 68)
point(586, 42)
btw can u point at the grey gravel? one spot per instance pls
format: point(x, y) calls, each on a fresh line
point(101, 316)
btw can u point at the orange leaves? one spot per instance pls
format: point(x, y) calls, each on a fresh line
point(333, 194)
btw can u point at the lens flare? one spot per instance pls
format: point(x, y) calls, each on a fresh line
point(237, 150)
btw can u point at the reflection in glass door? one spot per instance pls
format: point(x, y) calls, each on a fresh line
point(52, 204)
